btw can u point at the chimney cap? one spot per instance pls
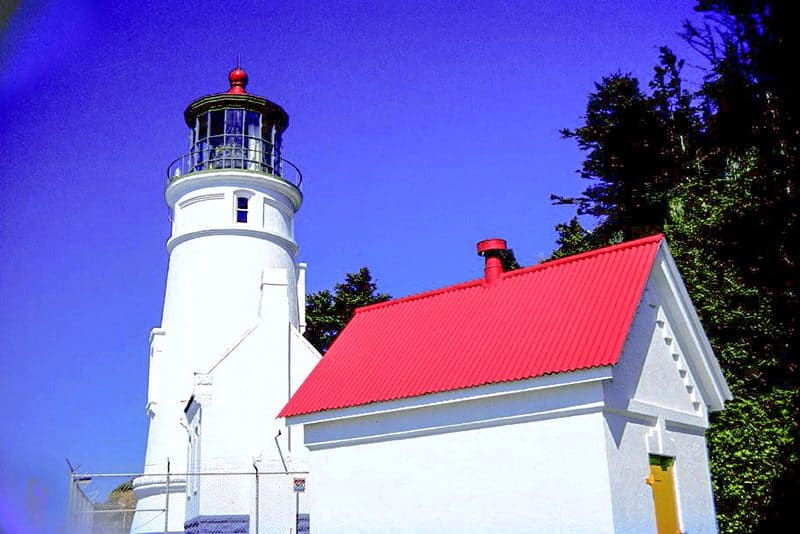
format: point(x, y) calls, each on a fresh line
point(494, 244)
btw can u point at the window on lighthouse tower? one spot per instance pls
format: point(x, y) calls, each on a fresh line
point(242, 205)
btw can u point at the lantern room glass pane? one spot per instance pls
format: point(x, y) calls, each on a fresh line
point(234, 119)
point(233, 126)
point(268, 131)
point(253, 142)
point(252, 123)
point(278, 144)
point(199, 143)
point(199, 156)
point(202, 128)
point(216, 121)
point(216, 138)
point(276, 152)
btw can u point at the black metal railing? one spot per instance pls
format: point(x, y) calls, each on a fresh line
point(233, 151)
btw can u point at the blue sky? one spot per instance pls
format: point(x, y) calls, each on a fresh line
point(420, 129)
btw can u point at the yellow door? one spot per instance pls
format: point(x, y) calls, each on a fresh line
point(663, 484)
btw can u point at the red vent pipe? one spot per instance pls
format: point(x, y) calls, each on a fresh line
point(491, 249)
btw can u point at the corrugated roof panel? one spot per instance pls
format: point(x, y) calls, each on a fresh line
point(568, 314)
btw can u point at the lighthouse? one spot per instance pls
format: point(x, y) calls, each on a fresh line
point(229, 352)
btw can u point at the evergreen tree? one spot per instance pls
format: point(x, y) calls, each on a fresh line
point(637, 148)
point(752, 106)
point(572, 239)
point(328, 312)
point(752, 443)
point(509, 260)
point(720, 179)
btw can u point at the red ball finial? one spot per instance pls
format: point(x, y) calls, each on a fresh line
point(238, 80)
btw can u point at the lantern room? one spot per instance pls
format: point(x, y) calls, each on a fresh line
point(235, 130)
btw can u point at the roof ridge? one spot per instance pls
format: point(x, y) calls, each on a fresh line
point(547, 264)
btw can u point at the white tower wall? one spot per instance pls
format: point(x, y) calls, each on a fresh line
point(214, 298)
point(229, 351)
point(215, 267)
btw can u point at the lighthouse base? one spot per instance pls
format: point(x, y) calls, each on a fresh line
point(160, 504)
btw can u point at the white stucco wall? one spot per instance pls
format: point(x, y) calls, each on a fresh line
point(545, 473)
point(236, 402)
point(500, 479)
point(629, 443)
point(241, 397)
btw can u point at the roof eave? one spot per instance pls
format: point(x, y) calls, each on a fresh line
point(549, 381)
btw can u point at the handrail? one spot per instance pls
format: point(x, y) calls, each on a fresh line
point(234, 151)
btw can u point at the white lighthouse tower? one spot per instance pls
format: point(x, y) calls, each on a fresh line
point(229, 352)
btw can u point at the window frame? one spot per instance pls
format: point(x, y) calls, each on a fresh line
point(245, 211)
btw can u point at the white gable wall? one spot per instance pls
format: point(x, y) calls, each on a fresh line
point(655, 406)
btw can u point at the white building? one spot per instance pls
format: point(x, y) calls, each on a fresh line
point(230, 350)
point(571, 396)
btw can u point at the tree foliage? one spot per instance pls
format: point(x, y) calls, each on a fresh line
point(122, 497)
point(509, 260)
point(716, 170)
point(637, 147)
point(328, 312)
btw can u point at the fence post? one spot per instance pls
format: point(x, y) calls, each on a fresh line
point(166, 504)
point(258, 509)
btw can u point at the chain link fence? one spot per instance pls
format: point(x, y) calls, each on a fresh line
point(100, 503)
point(250, 502)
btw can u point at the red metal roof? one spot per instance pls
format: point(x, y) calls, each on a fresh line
point(563, 315)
